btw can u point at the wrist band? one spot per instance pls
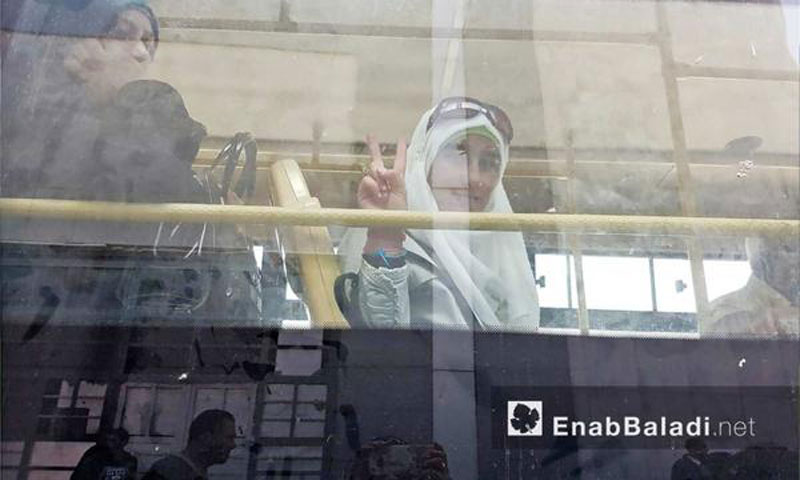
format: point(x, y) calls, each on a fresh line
point(383, 259)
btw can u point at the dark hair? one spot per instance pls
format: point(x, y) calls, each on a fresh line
point(74, 18)
point(209, 421)
point(119, 432)
point(123, 434)
point(695, 443)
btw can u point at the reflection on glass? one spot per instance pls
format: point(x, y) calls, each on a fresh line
point(767, 304)
point(617, 283)
point(725, 276)
point(97, 337)
point(553, 281)
point(674, 287)
point(137, 403)
point(168, 405)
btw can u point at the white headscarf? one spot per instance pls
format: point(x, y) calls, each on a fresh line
point(490, 269)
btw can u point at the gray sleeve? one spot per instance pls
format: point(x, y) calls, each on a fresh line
point(384, 299)
point(383, 296)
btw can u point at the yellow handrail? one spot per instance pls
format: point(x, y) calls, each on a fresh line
point(248, 214)
point(317, 261)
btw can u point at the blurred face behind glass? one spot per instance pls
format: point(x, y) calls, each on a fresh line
point(106, 64)
point(777, 262)
point(222, 443)
point(114, 441)
point(133, 35)
point(464, 173)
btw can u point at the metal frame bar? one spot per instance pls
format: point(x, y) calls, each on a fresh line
point(250, 214)
point(575, 247)
point(685, 191)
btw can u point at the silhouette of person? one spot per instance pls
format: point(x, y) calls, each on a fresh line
point(65, 62)
point(212, 436)
point(694, 464)
point(107, 459)
point(770, 302)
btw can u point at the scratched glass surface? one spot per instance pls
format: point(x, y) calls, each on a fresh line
point(311, 238)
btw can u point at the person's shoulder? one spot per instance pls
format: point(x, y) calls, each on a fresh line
point(679, 468)
point(683, 465)
point(94, 450)
point(684, 458)
point(739, 311)
point(738, 301)
point(166, 464)
point(171, 467)
point(734, 299)
point(96, 453)
point(130, 458)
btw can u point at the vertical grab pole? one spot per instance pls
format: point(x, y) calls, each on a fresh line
point(318, 265)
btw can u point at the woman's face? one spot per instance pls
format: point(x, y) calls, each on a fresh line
point(464, 173)
point(133, 35)
point(105, 64)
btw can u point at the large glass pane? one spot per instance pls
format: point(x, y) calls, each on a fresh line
point(725, 276)
point(617, 283)
point(362, 239)
point(555, 289)
point(674, 287)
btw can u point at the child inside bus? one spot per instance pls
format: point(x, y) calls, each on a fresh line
point(458, 279)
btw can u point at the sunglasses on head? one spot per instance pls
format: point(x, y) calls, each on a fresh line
point(465, 108)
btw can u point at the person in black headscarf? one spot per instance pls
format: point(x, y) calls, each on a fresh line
point(63, 62)
point(65, 66)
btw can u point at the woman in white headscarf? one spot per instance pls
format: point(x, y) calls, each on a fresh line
point(443, 278)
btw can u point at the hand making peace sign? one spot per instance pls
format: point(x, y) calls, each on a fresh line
point(383, 188)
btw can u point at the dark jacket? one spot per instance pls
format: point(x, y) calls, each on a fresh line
point(100, 463)
point(691, 467)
